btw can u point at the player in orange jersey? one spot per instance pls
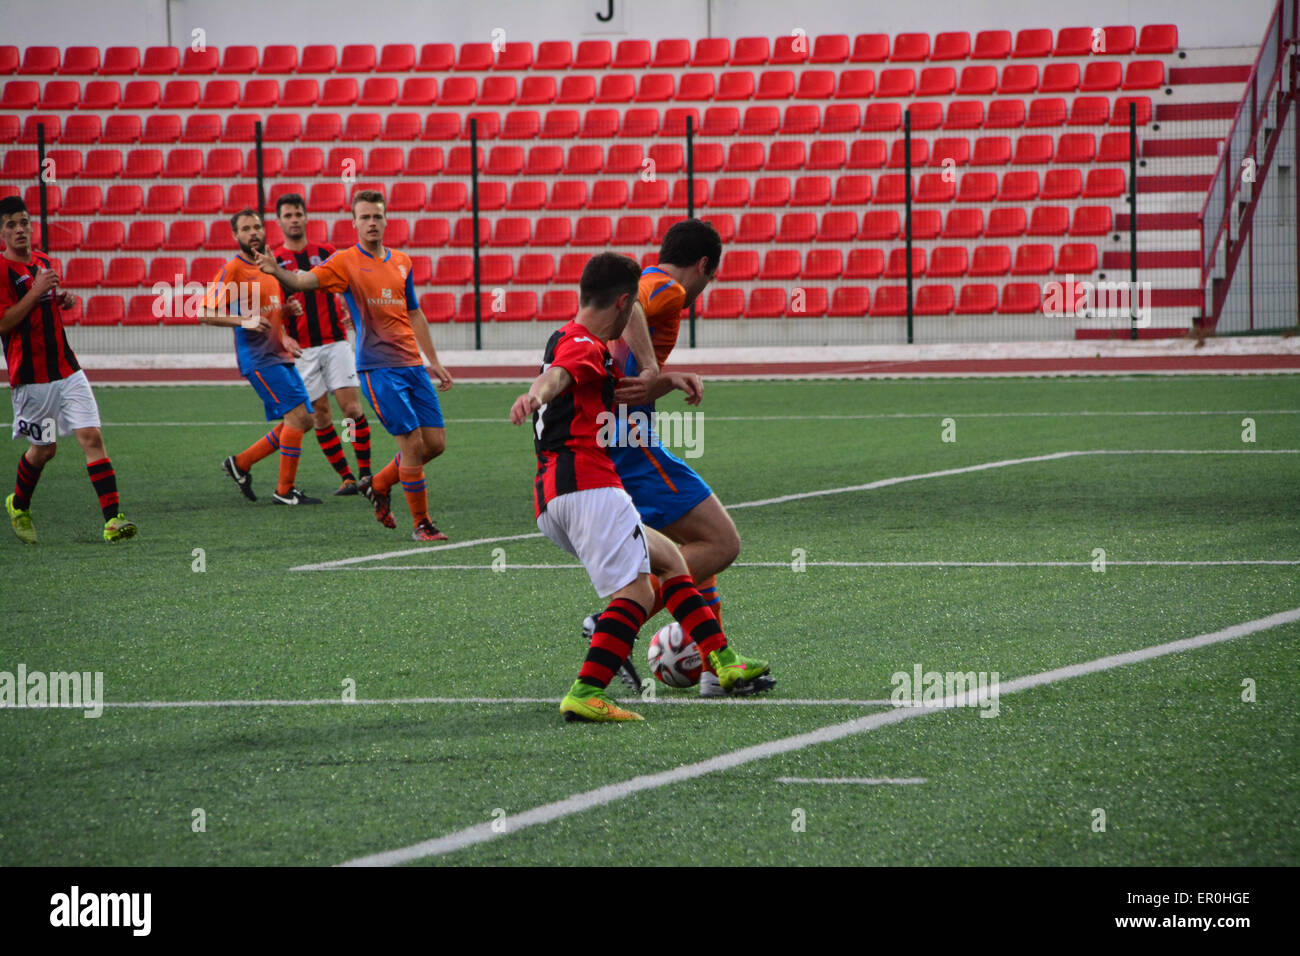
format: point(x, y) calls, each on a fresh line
point(251, 303)
point(379, 289)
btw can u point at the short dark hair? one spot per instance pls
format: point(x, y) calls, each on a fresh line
point(246, 211)
point(290, 199)
point(606, 276)
point(689, 241)
point(10, 205)
point(369, 195)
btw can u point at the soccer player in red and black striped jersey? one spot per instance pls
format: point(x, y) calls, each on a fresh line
point(581, 505)
point(327, 364)
point(51, 396)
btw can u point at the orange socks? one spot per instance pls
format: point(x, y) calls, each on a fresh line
point(290, 449)
point(416, 497)
point(709, 591)
point(267, 444)
point(387, 476)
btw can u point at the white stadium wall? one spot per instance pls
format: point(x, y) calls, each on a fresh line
point(1201, 23)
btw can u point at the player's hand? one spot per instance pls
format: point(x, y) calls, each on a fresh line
point(46, 279)
point(68, 300)
point(294, 306)
point(636, 391)
point(442, 375)
point(265, 261)
point(291, 345)
point(523, 408)
point(691, 384)
point(256, 322)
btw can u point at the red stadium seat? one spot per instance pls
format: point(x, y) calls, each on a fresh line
point(730, 193)
point(118, 61)
point(1019, 186)
point(1062, 184)
point(100, 163)
point(300, 93)
point(708, 157)
point(830, 48)
point(978, 299)
point(203, 199)
point(751, 51)
point(935, 187)
point(160, 61)
point(744, 157)
point(434, 233)
point(1088, 221)
point(357, 58)
point(102, 235)
point(176, 95)
point(725, 304)
point(104, 310)
point(220, 94)
point(148, 163)
point(1143, 110)
point(954, 148)
point(378, 91)
point(338, 91)
point(436, 58)
point(448, 197)
point(837, 226)
point(740, 265)
point(396, 58)
point(584, 160)
point(758, 227)
point(1104, 183)
point(558, 305)
point(283, 128)
point(880, 226)
point(1049, 111)
point(163, 128)
point(937, 81)
point(1102, 76)
point(624, 158)
point(990, 261)
point(560, 124)
point(772, 85)
point(842, 118)
point(826, 154)
point(1005, 221)
point(537, 268)
point(187, 234)
point(454, 270)
point(199, 62)
point(765, 304)
point(331, 197)
point(577, 89)
point(1033, 43)
point(695, 87)
point(21, 95)
point(599, 124)
point(675, 119)
point(405, 196)
point(219, 163)
point(1033, 259)
point(790, 49)
point(898, 157)
point(128, 272)
point(362, 126)
point(438, 306)
point(515, 56)
point(1033, 150)
point(797, 226)
point(199, 128)
point(79, 129)
point(1019, 298)
point(1049, 221)
point(911, 47)
point(1119, 40)
point(1073, 41)
point(631, 55)
point(821, 264)
point(1060, 78)
point(82, 200)
point(424, 161)
point(458, 160)
point(949, 262)
point(934, 300)
point(592, 230)
point(64, 95)
point(850, 301)
point(1155, 39)
point(882, 117)
point(592, 55)
point(1006, 114)
point(640, 123)
point(1018, 79)
point(870, 48)
point(276, 58)
point(978, 187)
point(671, 53)
point(867, 154)
point(1077, 258)
point(633, 231)
point(272, 162)
point(800, 119)
point(305, 162)
point(896, 264)
point(52, 124)
point(992, 45)
point(84, 273)
point(889, 300)
point(720, 121)
point(537, 91)
point(951, 46)
point(785, 155)
point(239, 59)
point(1113, 148)
point(979, 80)
point(896, 82)
point(528, 195)
point(651, 195)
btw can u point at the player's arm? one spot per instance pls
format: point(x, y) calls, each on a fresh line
point(637, 336)
point(296, 281)
point(46, 279)
point(687, 382)
point(544, 388)
point(420, 328)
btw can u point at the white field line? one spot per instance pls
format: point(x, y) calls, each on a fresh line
point(869, 486)
point(546, 813)
point(882, 416)
point(785, 565)
point(865, 781)
point(335, 701)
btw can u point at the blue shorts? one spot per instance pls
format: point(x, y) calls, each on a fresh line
point(662, 486)
point(403, 398)
point(280, 388)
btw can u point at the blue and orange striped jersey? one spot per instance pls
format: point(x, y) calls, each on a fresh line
point(240, 289)
point(379, 293)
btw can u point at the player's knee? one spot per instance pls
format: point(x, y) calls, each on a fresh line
point(728, 546)
point(434, 445)
point(299, 418)
point(640, 591)
point(352, 410)
point(40, 454)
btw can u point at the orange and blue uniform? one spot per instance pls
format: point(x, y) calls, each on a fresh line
point(380, 292)
point(662, 486)
point(241, 288)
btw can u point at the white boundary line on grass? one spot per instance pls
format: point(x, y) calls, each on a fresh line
point(869, 486)
point(547, 813)
point(852, 564)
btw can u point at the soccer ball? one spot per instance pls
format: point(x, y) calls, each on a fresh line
point(674, 657)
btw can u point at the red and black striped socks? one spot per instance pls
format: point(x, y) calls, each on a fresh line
point(28, 475)
point(333, 449)
point(616, 631)
point(687, 606)
point(104, 479)
point(361, 444)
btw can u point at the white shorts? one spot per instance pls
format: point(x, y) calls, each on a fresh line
point(325, 368)
point(601, 528)
point(63, 406)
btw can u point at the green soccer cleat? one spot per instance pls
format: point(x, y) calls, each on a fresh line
point(22, 522)
point(118, 529)
point(734, 670)
point(592, 704)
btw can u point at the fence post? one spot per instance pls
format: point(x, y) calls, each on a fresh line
point(907, 209)
point(40, 186)
point(690, 196)
point(473, 190)
point(1133, 220)
point(261, 181)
